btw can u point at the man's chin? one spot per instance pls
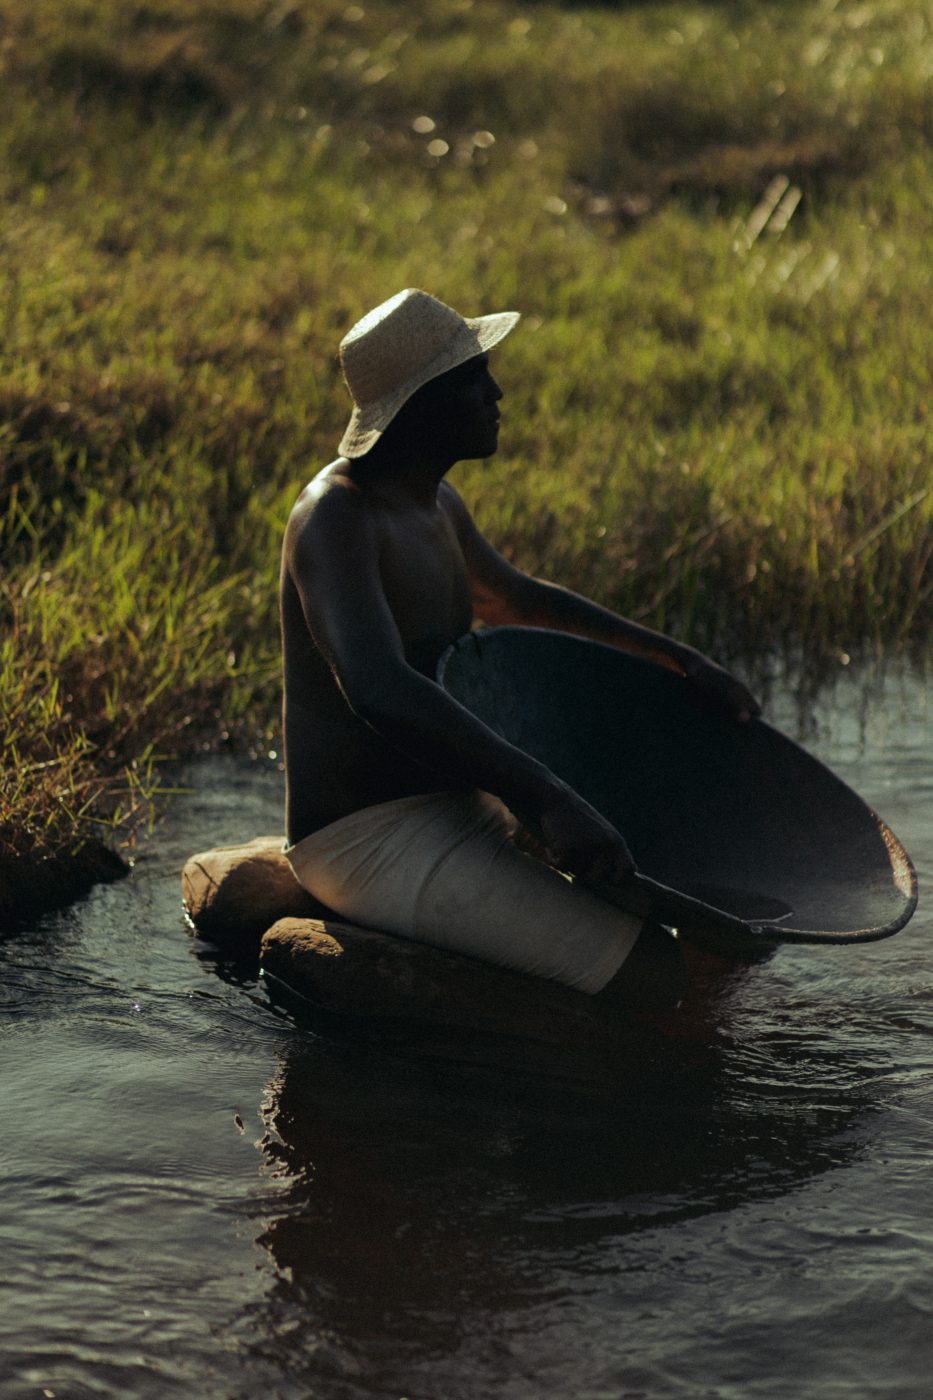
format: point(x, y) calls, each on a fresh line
point(485, 446)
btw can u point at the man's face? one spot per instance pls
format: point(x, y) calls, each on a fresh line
point(459, 410)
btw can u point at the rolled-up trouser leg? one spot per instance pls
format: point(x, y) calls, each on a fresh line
point(442, 868)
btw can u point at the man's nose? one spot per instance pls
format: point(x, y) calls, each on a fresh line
point(494, 391)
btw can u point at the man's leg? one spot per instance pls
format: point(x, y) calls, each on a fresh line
point(492, 889)
point(443, 869)
point(653, 976)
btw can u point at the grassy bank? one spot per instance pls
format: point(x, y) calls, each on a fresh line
point(715, 218)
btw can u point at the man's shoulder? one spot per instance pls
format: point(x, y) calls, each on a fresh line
point(331, 502)
point(330, 493)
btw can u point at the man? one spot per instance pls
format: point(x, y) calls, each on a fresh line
point(399, 801)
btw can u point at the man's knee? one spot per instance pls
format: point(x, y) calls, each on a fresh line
point(653, 976)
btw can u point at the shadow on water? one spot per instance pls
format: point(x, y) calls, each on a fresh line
point(751, 1199)
point(238, 970)
point(420, 1198)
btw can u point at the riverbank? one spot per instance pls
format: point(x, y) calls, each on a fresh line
point(716, 417)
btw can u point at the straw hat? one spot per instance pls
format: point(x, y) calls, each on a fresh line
point(399, 346)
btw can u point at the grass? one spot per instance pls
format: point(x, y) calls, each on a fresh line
point(714, 217)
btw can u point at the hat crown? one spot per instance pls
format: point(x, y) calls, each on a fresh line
point(395, 342)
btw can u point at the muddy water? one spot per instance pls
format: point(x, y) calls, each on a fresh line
point(202, 1199)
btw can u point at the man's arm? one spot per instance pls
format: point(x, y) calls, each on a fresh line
point(505, 595)
point(332, 555)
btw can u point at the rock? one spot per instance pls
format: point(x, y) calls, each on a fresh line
point(232, 894)
point(441, 1001)
point(36, 881)
point(445, 1005)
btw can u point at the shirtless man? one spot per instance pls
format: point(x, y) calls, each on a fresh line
point(399, 801)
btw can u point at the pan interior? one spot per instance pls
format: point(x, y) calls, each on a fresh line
point(734, 814)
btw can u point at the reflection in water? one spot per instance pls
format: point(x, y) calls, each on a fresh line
point(746, 1214)
point(419, 1200)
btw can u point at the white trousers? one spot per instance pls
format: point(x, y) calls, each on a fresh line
point(442, 868)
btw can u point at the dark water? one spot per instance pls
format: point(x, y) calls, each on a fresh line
point(200, 1199)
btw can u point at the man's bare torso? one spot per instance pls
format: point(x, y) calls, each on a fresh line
point(335, 762)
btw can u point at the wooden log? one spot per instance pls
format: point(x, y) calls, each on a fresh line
point(233, 894)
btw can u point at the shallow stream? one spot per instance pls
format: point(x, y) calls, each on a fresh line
point(201, 1198)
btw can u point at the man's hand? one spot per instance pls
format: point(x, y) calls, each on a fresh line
point(724, 689)
point(581, 842)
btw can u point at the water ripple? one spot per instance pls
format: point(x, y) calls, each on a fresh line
point(204, 1199)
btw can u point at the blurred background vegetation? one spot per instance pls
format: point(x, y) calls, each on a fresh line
point(715, 218)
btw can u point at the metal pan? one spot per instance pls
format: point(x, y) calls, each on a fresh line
point(738, 833)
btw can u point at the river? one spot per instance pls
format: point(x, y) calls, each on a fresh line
point(201, 1198)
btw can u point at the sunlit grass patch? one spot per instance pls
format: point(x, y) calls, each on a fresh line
point(713, 217)
point(115, 657)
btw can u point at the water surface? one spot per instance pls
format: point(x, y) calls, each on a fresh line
point(202, 1198)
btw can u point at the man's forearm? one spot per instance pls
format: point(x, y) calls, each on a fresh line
point(549, 605)
point(544, 604)
point(419, 719)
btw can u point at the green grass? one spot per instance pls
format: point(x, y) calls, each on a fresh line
point(715, 218)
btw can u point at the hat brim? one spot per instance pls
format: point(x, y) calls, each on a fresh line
point(479, 334)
